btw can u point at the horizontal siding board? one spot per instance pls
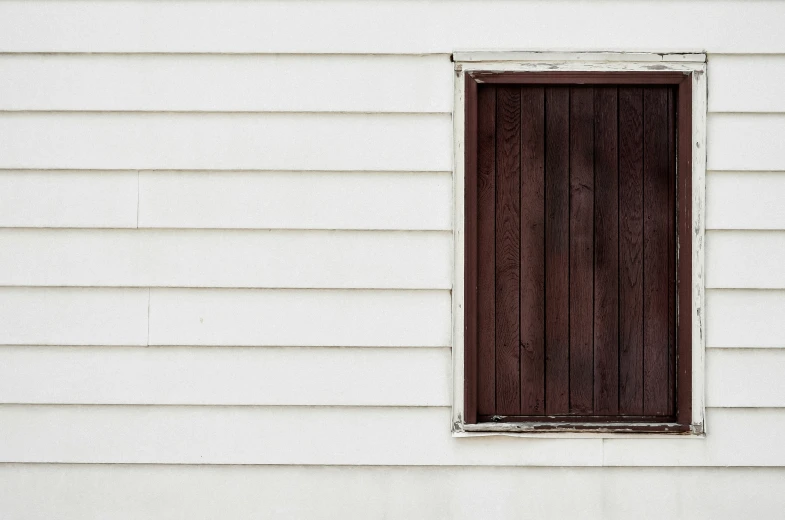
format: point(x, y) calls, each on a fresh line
point(409, 26)
point(75, 492)
point(225, 376)
point(745, 378)
point(751, 142)
point(266, 435)
point(745, 259)
point(288, 141)
point(226, 258)
point(735, 437)
point(745, 200)
point(745, 318)
point(354, 436)
point(78, 492)
point(301, 376)
point(293, 317)
point(744, 83)
point(272, 83)
point(68, 199)
point(296, 200)
point(73, 316)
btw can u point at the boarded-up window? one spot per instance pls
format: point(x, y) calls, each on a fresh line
point(577, 249)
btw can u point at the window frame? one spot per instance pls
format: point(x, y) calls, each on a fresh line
point(688, 71)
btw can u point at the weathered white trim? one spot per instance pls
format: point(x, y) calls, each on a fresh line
point(607, 62)
point(550, 57)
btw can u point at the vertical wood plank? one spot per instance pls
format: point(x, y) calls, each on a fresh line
point(508, 235)
point(557, 249)
point(606, 253)
point(581, 250)
point(655, 251)
point(630, 251)
point(532, 267)
point(486, 250)
point(671, 255)
point(470, 253)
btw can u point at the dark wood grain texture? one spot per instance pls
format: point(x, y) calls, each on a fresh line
point(671, 253)
point(508, 237)
point(470, 254)
point(486, 250)
point(532, 266)
point(581, 250)
point(655, 251)
point(631, 251)
point(557, 250)
point(606, 252)
point(578, 261)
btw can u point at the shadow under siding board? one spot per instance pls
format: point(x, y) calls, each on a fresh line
point(745, 142)
point(368, 200)
point(225, 82)
point(745, 200)
point(226, 258)
point(226, 141)
point(282, 435)
point(276, 317)
point(73, 316)
point(310, 26)
point(741, 318)
point(68, 199)
point(225, 376)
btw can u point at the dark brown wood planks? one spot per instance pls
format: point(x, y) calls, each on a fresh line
point(631, 251)
point(606, 252)
point(557, 250)
point(532, 251)
point(486, 250)
point(508, 236)
point(581, 250)
point(655, 250)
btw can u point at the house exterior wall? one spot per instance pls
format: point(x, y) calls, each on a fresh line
point(226, 264)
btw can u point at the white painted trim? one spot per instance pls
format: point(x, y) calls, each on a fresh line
point(607, 62)
point(550, 57)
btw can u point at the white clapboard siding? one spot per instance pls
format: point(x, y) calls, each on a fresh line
point(354, 436)
point(225, 376)
point(301, 376)
point(388, 26)
point(296, 200)
point(272, 83)
point(745, 200)
point(68, 199)
point(745, 377)
point(283, 141)
point(744, 83)
point(745, 318)
point(226, 258)
point(266, 435)
point(121, 492)
point(745, 259)
point(300, 317)
point(735, 437)
point(73, 316)
point(746, 141)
